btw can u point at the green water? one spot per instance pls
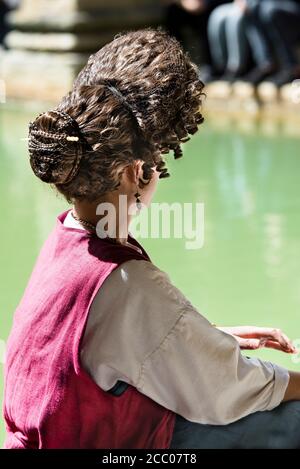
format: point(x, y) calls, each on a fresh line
point(248, 271)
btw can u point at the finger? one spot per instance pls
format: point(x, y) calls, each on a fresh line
point(277, 346)
point(283, 340)
point(292, 346)
point(249, 344)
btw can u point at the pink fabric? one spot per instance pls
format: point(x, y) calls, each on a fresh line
point(50, 401)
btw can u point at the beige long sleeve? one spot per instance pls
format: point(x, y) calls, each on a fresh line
point(141, 329)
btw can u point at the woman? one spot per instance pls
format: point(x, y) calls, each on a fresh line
point(105, 352)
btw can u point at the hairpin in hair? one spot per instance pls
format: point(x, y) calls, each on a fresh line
point(122, 99)
point(70, 138)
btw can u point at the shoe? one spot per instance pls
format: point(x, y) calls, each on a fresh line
point(284, 76)
point(208, 74)
point(231, 76)
point(259, 74)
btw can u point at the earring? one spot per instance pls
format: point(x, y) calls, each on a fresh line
point(138, 201)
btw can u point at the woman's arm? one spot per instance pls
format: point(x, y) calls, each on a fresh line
point(199, 372)
point(150, 335)
point(252, 338)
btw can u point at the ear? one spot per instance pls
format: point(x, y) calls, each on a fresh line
point(134, 171)
point(138, 170)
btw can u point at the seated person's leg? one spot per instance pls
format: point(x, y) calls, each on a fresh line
point(176, 18)
point(199, 23)
point(217, 37)
point(281, 20)
point(237, 44)
point(274, 429)
point(263, 57)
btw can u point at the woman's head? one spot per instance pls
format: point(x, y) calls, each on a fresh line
point(136, 99)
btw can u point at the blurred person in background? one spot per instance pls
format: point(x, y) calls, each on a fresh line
point(3, 25)
point(281, 20)
point(5, 7)
point(193, 14)
point(235, 31)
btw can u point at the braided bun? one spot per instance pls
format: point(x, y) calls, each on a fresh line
point(55, 147)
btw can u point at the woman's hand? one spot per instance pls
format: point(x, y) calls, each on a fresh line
point(252, 338)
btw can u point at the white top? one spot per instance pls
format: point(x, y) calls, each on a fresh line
point(141, 329)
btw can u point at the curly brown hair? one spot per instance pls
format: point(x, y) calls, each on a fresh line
point(137, 98)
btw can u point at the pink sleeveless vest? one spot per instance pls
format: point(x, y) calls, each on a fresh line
point(49, 399)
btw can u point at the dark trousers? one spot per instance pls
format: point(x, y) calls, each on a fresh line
point(274, 429)
point(281, 20)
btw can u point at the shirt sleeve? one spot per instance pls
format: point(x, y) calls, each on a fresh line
point(199, 372)
point(143, 330)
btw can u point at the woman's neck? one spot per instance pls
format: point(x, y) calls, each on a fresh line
point(114, 215)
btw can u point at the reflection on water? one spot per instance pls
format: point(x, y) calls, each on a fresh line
point(248, 270)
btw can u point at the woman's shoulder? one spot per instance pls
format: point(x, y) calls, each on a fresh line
point(140, 280)
point(140, 271)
